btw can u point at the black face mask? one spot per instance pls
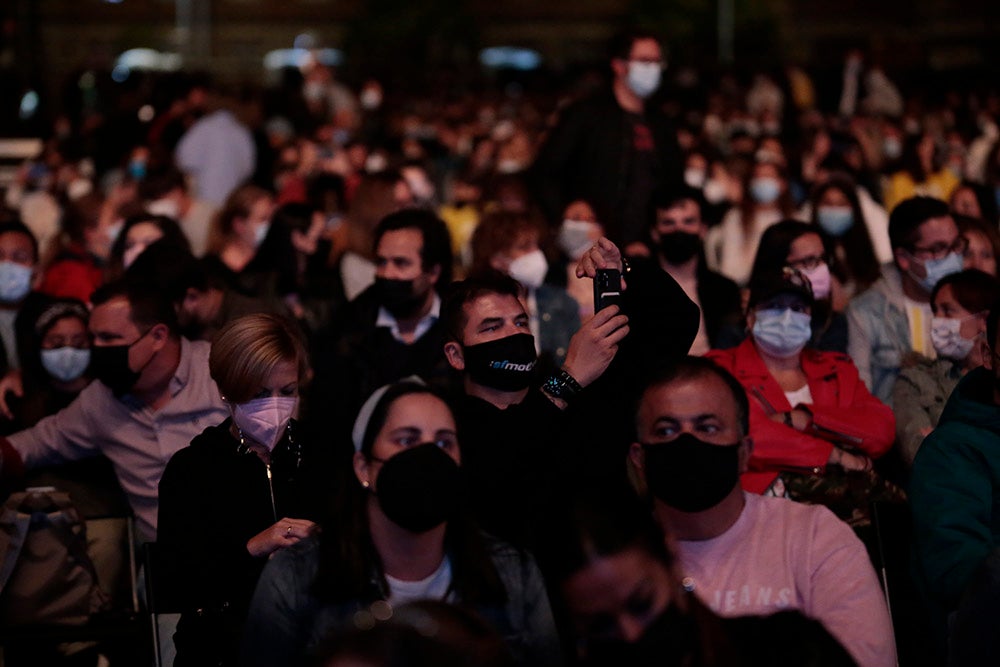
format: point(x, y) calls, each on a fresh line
point(109, 364)
point(505, 364)
point(419, 488)
point(669, 640)
point(689, 474)
point(397, 297)
point(679, 247)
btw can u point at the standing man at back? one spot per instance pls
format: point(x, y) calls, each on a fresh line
point(614, 149)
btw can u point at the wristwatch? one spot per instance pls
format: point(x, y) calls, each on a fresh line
point(561, 385)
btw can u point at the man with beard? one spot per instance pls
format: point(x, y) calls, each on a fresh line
point(677, 233)
point(390, 330)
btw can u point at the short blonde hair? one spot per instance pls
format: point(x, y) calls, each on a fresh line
point(247, 350)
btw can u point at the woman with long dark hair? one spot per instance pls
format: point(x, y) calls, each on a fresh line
point(400, 533)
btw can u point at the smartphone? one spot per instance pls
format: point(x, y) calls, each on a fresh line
point(607, 288)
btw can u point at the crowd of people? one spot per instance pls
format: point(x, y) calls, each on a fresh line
point(342, 353)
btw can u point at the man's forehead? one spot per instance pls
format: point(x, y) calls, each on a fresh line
point(688, 398)
point(113, 310)
point(407, 241)
point(645, 47)
point(935, 228)
point(680, 209)
point(493, 305)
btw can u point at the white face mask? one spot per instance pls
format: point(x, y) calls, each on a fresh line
point(694, 178)
point(643, 78)
point(715, 191)
point(576, 236)
point(530, 269)
point(165, 206)
point(263, 420)
point(947, 340)
point(260, 233)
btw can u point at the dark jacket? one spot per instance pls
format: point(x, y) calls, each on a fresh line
point(587, 156)
point(353, 358)
point(213, 499)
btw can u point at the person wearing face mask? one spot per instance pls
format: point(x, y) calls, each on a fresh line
point(629, 605)
point(961, 302)
point(58, 369)
point(676, 235)
point(893, 317)
point(511, 243)
point(152, 396)
point(738, 552)
point(731, 245)
point(166, 193)
point(19, 303)
point(810, 415)
point(803, 247)
point(835, 209)
point(239, 251)
point(509, 409)
point(243, 490)
point(956, 512)
point(615, 148)
point(390, 330)
point(138, 233)
point(401, 533)
point(578, 233)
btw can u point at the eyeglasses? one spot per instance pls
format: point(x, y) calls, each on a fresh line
point(940, 250)
point(807, 263)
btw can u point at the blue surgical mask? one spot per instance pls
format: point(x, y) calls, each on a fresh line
point(781, 332)
point(15, 281)
point(765, 190)
point(66, 363)
point(835, 220)
point(937, 269)
point(643, 78)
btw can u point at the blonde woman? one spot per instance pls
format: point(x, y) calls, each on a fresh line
point(240, 492)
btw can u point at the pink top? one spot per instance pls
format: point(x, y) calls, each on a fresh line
point(785, 555)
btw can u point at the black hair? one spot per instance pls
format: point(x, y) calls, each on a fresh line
point(776, 243)
point(667, 198)
point(984, 197)
point(906, 219)
point(162, 182)
point(148, 306)
point(436, 248)
point(15, 226)
point(981, 226)
point(461, 293)
point(348, 557)
point(620, 45)
point(689, 368)
point(974, 290)
point(168, 226)
point(171, 270)
point(860, 262)
point(601, 524)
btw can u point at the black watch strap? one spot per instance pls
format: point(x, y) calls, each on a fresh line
point(561, 385)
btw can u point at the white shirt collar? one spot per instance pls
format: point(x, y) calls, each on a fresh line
point(386, 319)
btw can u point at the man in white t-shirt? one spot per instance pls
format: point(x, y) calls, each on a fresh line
point(740, 553)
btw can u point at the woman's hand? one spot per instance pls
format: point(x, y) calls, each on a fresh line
point(602, 255)
point(284, 533)
point(849, 461)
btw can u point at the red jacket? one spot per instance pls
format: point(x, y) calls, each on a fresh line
point(843, 412)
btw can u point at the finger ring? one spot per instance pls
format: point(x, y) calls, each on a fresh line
point(288, 531)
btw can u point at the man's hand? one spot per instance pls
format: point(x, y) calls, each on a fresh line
point(594, 346)
point(602, 255)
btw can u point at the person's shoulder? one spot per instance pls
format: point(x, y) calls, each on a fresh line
point(793, 514)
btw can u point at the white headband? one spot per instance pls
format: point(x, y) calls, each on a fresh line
point(365, 414)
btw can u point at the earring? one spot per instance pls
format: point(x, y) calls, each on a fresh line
point(365, 484)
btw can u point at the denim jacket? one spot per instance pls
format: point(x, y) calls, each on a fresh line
point(287, 621)
point(879, 333)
